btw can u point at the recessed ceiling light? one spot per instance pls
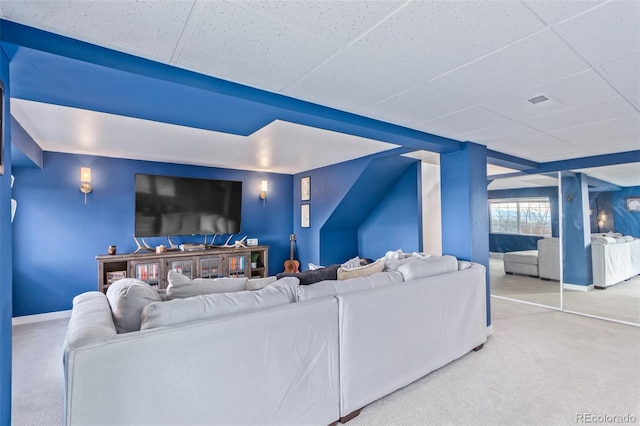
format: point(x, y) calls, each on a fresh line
point(538, 99)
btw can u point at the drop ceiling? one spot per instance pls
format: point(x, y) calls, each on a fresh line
point(463, 70)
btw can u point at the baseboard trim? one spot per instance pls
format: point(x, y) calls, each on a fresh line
point(578, 287)
point(490, 330)
point(29, 319)
point(496, 255)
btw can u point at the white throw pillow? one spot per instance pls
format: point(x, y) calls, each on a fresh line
point(351, 263)
point(127, 298)
point(181, 287)
point(178, 311)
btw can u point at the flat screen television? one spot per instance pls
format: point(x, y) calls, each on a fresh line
point(167, 206)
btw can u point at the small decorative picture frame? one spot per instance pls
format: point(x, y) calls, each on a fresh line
point(305, 215)
point(305, 188)
point(633, 204)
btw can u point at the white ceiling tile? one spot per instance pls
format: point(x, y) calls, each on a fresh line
point(601, 132)
point(554, 11)
point(607, 109)
point(505, 134)
point(610, 144)
point(619, 174)
point(533, 146)
point(462, 122)
point(532, 62)
point(624, 74)
point(606, 33)
point(574, 90)
point(428, 38)
point(416, 105)
point(577, 153)
point(150, 29)
point(351, 82)
point(337, 22)
point(229, 42)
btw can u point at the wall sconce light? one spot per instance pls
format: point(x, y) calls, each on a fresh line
point(602, 218)
point(264, 185)
point(85, 181)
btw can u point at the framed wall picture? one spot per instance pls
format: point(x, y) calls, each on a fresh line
point(633, 204)
point(304, 215)
point(305, 188)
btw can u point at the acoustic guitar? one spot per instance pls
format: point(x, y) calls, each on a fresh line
point(292, 265)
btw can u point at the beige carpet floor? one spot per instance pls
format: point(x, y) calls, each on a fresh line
point(619, 302)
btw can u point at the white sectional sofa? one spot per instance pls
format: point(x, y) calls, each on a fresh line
point(615, 258)
point(337, 347)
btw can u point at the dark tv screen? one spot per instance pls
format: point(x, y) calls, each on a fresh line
point(167, 205)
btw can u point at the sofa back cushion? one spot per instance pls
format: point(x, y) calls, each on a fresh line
point(127, 298)
point(361, 271)
point(428, 267)
point(333, 287)
point(177, 311)
point(181, 287)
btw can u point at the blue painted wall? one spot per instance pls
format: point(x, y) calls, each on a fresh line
point(465, 213)
point(329, 186)
point(576, 232)
point(6, 242)
point(396, 221)
point(504, 243)
point(601, 201)
point(619, 218)
point(57, 236)
point(343, 198)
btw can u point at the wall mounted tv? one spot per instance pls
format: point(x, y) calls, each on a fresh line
point(167, 205)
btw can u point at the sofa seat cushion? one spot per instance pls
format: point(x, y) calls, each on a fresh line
point(527, 257)
point(181, 286)
point(428, 267)
point(178, 311)
point(310, 277)
point(334, 287)
point(127, 298)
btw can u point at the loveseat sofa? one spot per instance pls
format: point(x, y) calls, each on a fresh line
point(318, 355)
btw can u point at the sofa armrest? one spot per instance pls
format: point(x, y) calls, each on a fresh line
point(549, 258)
point(91, 321)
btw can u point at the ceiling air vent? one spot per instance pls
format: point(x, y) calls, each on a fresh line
point(538, 99)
